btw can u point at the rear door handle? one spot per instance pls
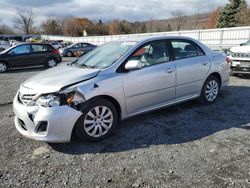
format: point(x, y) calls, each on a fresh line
point(169, 70)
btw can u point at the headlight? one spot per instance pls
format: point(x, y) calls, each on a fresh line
point(50, 100)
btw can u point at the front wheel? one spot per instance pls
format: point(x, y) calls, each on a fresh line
point(210, 90)
point(3, 67)
point(98, 120)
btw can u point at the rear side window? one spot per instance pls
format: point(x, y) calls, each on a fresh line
point(40, 48)
point(185, 49)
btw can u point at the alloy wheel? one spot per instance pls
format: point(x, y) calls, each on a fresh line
point(98, 121)
point(52, 63)
point(3, 67)
point(212, 90)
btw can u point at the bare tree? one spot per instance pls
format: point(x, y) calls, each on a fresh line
point(179, 18)
point(197, 16)
point(51, 26)
point(24, 21)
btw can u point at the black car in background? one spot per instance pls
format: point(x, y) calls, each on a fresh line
point(83, 48)
point(29, 55)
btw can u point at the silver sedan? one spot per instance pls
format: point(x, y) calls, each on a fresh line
point(116, 81)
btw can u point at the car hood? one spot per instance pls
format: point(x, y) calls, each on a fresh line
point(55, 79)
point(240, 49)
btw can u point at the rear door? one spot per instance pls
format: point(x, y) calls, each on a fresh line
point(39, 53)
point(192, 66)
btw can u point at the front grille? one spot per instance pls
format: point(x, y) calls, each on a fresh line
point(241, 55)
point(25, 98)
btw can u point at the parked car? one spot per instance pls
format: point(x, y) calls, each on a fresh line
point(35, 40)
point(56, 45)
point(116, 81)
point(82, 47)
point(4, 45)
point(240, 59)
point(29, 54)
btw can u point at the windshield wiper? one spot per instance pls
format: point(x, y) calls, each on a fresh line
point(86, 66)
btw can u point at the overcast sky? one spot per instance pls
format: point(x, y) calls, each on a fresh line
point(107, 9)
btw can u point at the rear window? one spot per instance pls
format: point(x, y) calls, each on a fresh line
point(41, 48)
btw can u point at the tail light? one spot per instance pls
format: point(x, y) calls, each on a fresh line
point(228, 60)
point(55, 52)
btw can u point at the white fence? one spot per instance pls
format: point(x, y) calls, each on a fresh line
point(217, 39)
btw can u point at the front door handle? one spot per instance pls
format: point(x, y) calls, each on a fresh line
point(169, 70)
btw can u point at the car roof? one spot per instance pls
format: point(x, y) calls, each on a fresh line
point(145, 39)
point(159, 37)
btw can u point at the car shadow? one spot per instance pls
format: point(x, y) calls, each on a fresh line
point(178, 124)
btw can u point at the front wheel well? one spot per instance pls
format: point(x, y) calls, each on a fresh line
point(112, 100)
point(5, 62)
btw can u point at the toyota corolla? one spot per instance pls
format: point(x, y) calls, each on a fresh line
point(116, 81)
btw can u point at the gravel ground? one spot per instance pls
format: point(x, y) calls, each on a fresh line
point(188, 145)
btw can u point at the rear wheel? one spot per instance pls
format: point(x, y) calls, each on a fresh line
point(3, 67)
point(98, 121)
point(210, 90)
point(51, 62)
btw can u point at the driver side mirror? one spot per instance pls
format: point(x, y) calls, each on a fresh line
point(242, 44)
point(133, 65)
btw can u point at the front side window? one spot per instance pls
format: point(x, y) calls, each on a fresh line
point(23, 49)
point(185, 49)
point(151, 53)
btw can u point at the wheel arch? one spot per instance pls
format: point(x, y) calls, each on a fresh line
point(216, 75)
point(6, 62)
point(113, 101)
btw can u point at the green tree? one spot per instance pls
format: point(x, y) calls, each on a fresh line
point(228, 15)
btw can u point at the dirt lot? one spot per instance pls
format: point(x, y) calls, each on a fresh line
point(188, 145)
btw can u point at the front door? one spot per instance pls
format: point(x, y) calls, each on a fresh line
point(19, 56)
point(154, 83)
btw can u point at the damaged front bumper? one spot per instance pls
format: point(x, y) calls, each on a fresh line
point(49, 124)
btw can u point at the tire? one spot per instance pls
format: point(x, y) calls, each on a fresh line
point(210, 90)
point(98, 121)
point(51, 62)
point(69, 54)
point(3, 67)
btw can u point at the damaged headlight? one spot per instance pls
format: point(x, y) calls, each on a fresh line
point(74, 98)
point(51, 100)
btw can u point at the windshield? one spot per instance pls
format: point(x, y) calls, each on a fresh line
point(105, 55)
point(6, 50)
